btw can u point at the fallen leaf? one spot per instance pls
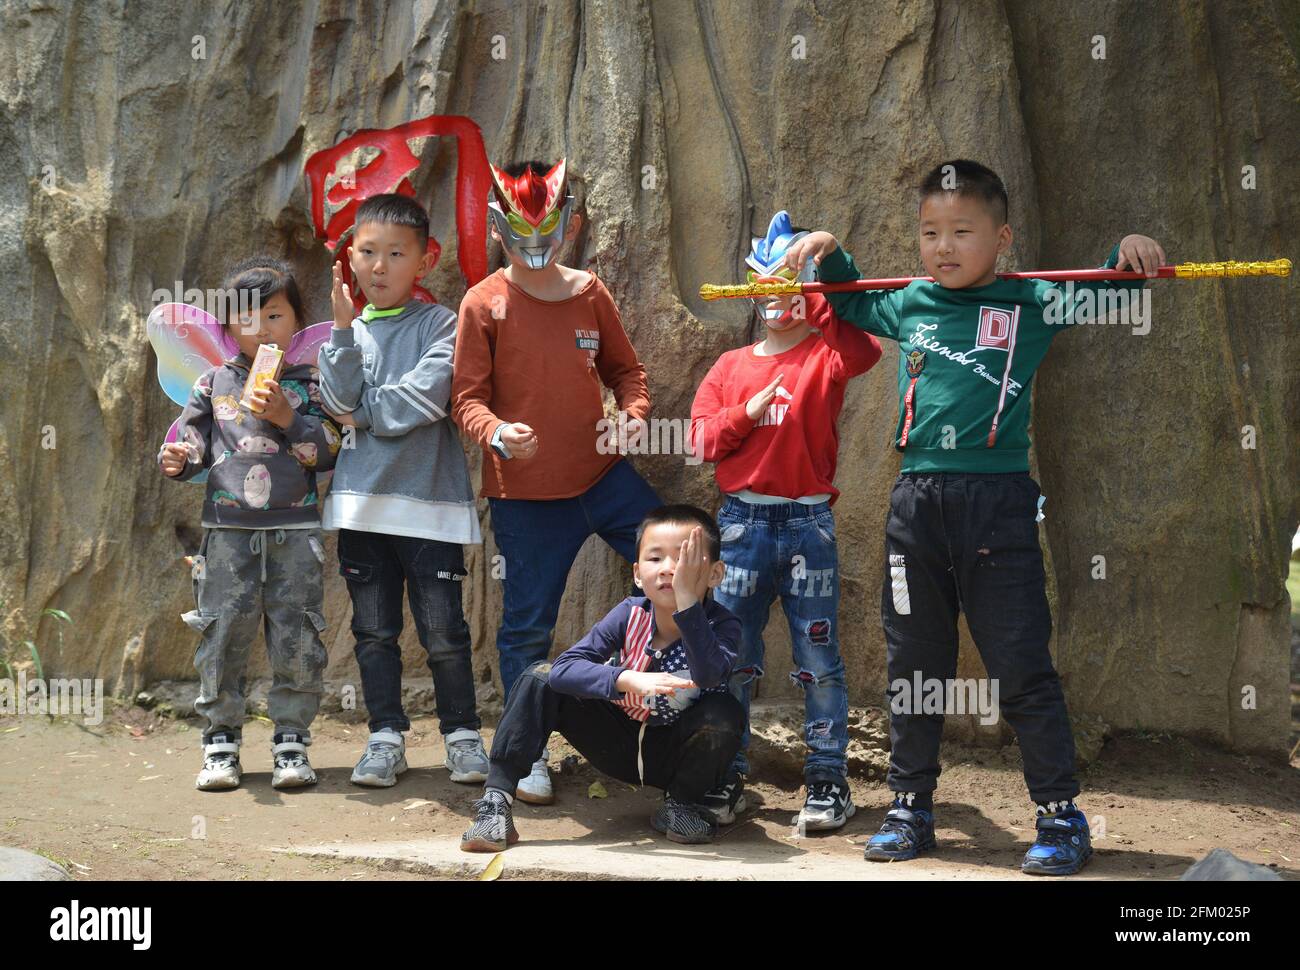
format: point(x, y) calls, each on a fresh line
point(416, 803)
point(493, 870)
point(150, 777)
point(597, 790)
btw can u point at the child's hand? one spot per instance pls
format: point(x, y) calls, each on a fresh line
point(175, 455)
point(759, 402)
point(816, 245)
point(648, 685)
point(341, 298)
point(520, 440)
point(272, 405)
point(691, 577)
point(1142, 254)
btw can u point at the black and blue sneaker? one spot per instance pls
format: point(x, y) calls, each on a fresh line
point(904, 835)
point(1063, 845)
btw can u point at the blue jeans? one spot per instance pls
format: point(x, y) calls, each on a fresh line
point(788, 550)
point(539, 539)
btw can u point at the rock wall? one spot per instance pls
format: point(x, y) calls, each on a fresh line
point(133, 163)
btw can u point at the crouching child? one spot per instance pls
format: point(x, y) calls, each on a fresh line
point(643, 696)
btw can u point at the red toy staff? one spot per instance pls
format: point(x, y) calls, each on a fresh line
point(1276, 267)
point(388, 171)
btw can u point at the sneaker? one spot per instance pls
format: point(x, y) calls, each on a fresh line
point(220, 769)
point(466, 759)
point(1063, 845)
point(904, 835)
point(292, 769)
point(684, 823)
point(494, 825)
point(383, 761)
point(537, 789)
point(727, 800)
point(827, 805)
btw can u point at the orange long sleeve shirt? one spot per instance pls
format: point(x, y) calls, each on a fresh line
point(542, 362)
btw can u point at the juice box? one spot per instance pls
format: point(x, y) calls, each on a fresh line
point(266, 367)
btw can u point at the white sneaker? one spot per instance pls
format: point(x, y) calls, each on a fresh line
point(826, 806)
point(220, 769)
point(292, 769)
point(537, 789)
point(466, 759)
point(384, 759)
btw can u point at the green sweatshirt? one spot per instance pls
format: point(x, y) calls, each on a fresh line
point(973, 353)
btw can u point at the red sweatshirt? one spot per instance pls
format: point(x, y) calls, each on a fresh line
point(791, 449)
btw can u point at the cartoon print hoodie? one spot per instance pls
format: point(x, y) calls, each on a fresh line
point(259, 477)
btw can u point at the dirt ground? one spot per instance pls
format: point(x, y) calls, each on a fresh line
point(116, 801)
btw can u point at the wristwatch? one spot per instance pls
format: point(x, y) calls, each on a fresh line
point(497, 444)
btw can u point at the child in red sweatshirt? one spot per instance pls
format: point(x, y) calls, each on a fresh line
point(767, 416)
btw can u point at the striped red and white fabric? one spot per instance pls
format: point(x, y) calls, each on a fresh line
point(635, 655)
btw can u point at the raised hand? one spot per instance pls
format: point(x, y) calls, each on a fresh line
point(691, 577)
point(341, 297)
point(759, 402)
point(815, 245)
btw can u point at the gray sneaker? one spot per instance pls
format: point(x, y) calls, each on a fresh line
point(383, 761)
point(494, 825)
point(466, 759)
point(684, 823)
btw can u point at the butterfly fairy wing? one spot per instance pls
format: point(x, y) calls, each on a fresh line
point(187, 341)
point(307, 342)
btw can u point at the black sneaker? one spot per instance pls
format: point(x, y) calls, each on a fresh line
point(727, 800)
point(684, 823)
point(494, 825)
point(828, 805)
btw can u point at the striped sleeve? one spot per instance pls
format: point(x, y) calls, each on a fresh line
point(421, 395)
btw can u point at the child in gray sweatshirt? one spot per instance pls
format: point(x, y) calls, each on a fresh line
point(401, 498)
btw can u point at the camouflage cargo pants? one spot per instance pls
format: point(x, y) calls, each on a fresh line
point(243, 577)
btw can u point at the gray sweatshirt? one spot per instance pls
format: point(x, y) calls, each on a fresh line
point(402, 471)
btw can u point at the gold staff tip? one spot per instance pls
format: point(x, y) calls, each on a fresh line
point(1275, 267)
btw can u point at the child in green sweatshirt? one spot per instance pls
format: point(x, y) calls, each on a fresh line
point(962, 533)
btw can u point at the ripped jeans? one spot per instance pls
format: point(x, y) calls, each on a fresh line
point(788, 551)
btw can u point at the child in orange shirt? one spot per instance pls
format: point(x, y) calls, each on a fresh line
point(535, 342)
